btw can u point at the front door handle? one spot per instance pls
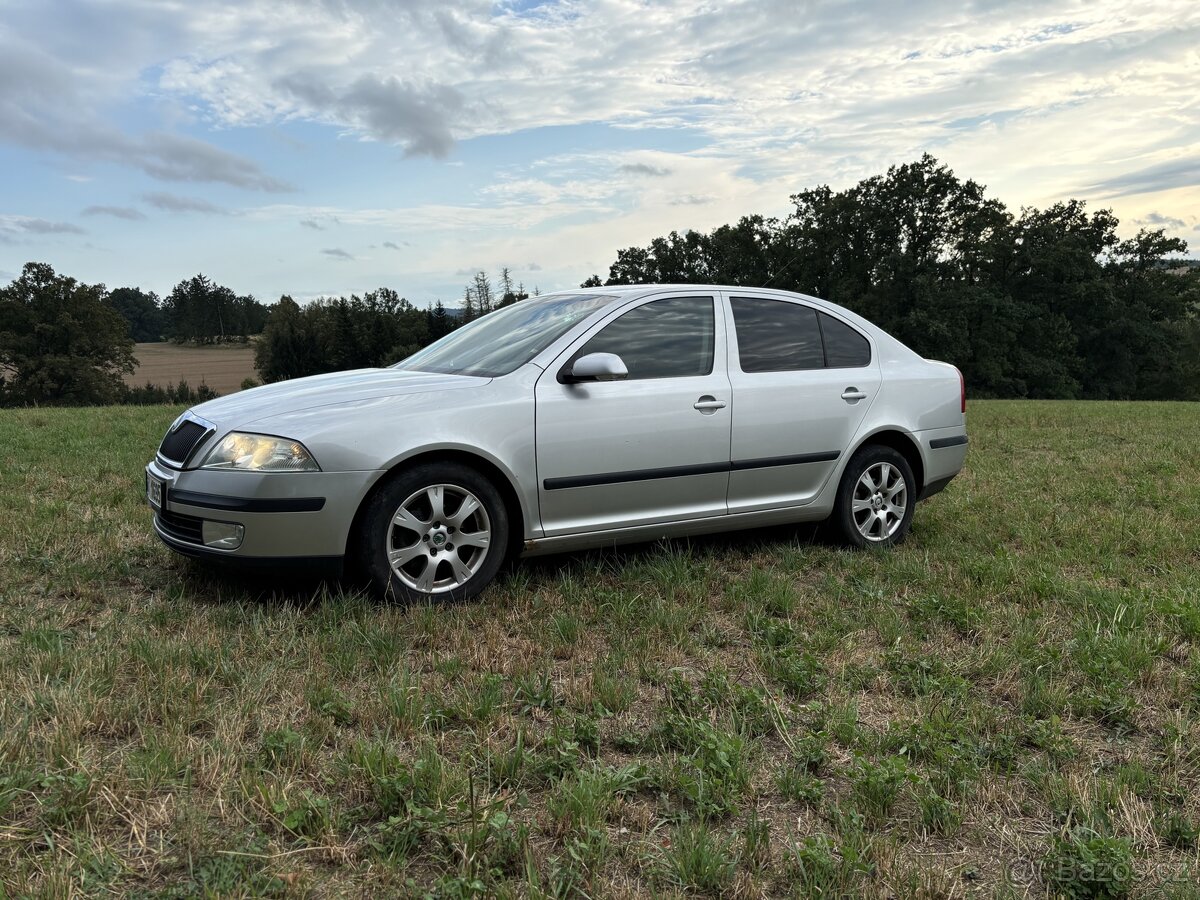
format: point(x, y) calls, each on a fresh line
point(853, 393)
point(708, 404)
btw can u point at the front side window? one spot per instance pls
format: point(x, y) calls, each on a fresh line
point(778, 336)
point(670, 338)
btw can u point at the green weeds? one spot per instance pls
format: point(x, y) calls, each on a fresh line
point(1007, 704)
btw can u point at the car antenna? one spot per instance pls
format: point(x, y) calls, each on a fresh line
point(791, 260)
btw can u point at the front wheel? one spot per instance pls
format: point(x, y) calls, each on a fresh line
point(438, 531)
point(875, 500)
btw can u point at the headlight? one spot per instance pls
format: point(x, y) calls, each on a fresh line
point(260, 453)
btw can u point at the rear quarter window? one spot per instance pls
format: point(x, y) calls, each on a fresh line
point(845, 348)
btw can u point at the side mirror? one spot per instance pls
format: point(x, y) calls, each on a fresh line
point(597, 367)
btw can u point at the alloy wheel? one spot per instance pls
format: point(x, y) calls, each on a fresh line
point(880, 501)
point(438, 539)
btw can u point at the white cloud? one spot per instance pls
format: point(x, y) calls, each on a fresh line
point(117, 212)
point(1158, 220)
point(175, 203)
point(11, 225)
point(428, 218)
point(1038, 100)
point(51, 103)
point(828, 91)
point(823, 92)
point(639, 168)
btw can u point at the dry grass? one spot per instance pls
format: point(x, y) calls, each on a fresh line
point(1007, 705)
point(223, 367)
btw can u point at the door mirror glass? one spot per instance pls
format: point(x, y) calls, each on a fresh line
point(599, 367)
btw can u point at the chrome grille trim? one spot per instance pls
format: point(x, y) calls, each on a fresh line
point(186, 434)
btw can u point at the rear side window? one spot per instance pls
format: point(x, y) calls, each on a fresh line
point(845, 348)
point(778, 336)
point(670, 338)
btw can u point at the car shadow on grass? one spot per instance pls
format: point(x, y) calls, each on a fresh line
point(283, 585)
point(304, 587)
point(617, 558)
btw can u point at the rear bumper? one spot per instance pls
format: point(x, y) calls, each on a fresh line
point(943, 451)
point(934, 487)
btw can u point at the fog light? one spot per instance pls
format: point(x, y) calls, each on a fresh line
point(222, 535)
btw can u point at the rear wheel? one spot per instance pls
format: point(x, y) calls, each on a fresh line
point(875, 500)
point(438, 531)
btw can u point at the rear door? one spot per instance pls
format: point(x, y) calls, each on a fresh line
point(651, 448)
point(802, 380)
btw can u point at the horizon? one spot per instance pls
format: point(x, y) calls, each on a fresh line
point(327, 150)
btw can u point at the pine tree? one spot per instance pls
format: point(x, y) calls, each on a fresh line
point(439, 322)
point(469, 310)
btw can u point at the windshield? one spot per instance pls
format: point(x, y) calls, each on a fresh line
point(506, 339)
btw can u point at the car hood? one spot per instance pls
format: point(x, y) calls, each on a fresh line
point(335, 389)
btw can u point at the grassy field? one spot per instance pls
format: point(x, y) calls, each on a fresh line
point(1007, 705)
point(222, 367)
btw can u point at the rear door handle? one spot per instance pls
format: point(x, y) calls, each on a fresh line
point(708, 404)
point(853, 393)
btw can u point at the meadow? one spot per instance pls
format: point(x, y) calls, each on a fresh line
point(1007, 705)
point(222, 367)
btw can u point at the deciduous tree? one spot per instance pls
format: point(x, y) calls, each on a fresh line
point(60, 341)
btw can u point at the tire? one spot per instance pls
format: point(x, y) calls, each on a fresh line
point(881, 519)
point(404, 533)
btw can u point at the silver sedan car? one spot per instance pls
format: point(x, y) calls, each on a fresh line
point(566, 421)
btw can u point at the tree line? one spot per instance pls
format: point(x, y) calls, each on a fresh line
point(1046, 303)
point(68, 343)
point(197, 311)
point(331, 334)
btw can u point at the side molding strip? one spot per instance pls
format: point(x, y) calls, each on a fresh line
point(770, 462)
point(955, 441)
point(738, 465)
point(246, 504)
point(573, 481)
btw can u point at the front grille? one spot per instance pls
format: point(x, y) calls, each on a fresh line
point(179, 443)
point(181, 528)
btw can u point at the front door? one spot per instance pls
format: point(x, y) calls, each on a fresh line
point(651, 448)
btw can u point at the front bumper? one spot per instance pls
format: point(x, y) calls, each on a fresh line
point(285, 515)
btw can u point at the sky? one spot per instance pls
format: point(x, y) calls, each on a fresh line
point(329, 147)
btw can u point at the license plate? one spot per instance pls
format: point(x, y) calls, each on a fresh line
point(154, 491)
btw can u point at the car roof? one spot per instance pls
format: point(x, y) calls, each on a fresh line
point(625, 291)
point(628, 289)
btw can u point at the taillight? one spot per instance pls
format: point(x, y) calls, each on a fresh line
point(962, 390)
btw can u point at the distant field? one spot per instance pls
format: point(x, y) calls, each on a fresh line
point(1007, 705)
point(222, 367)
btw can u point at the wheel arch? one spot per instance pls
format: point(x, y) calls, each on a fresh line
point(490, 469)
point(905, 444)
